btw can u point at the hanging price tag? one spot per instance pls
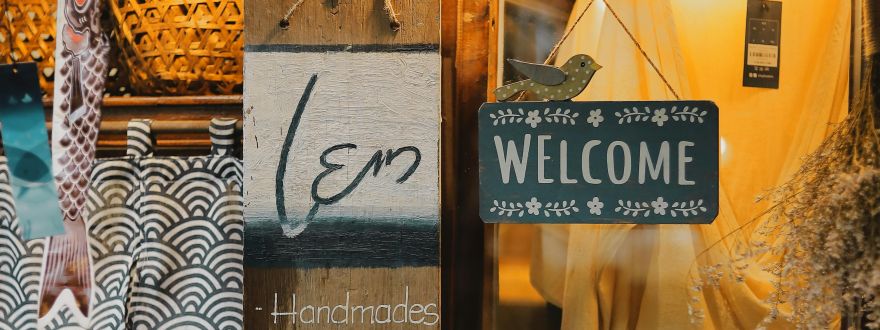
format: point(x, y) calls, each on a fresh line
point(763, 37)
point(27, 150)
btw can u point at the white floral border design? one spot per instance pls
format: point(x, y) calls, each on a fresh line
point(566, 117)
point(509, 117)
point(535, 207)
point(634, 209)
point(533, 117)
point(691, 208)
point(659, 116)
point(634, 114)
point(502, 208)
point(566, 207)
point(688, 113)
point(660, 207)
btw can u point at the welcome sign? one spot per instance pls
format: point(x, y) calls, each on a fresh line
point(599, 162)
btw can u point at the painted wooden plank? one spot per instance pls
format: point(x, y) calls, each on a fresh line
point(359, 156)
point(468, 49)
point(599, 162)
point(341, 134)
point(341, 175)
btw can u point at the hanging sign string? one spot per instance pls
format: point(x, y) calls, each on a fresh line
point(392, 16)
point(555, 49)
point(388, 8)
point(639, 46)
point(285, 21)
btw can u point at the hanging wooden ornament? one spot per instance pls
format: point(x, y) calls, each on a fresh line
point(650, 162)
point(81, 65)
point(549, 82)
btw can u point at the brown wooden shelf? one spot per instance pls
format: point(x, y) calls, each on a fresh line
point(180, 123)
point(148, 101)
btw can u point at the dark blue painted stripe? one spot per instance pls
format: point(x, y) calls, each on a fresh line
point(369, 48)
point(343, 243)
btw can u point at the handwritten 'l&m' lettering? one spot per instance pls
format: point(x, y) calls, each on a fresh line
point(376, 163)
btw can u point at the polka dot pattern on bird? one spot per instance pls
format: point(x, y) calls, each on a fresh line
point(577, 73)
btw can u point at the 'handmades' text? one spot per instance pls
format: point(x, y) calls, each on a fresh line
point(348, 313)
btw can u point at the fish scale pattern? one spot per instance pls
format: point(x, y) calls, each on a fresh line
point(165, 242)
point(81, 62)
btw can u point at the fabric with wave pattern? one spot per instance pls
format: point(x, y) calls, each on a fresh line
point(165, 239)
point(20, 265)
point(189, 270)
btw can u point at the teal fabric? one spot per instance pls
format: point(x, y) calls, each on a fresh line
point(25, 142)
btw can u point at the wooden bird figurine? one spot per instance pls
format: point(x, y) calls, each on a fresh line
point(549, 82)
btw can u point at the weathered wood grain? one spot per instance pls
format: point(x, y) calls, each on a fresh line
point(370, 102)
point(467, 47)
point(338, 77)
point(341, 22)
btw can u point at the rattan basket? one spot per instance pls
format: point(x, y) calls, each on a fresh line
point(176, 47)
point(33, 36)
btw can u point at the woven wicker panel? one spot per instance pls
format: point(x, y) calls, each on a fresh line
point(33, 36)
point(33, 31)
point(192, 47)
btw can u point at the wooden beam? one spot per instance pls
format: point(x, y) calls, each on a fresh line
point(180, 123)
point(111, 102)
point(334, 22)
point(158, 127)
point(491, 231)
point(467, 27)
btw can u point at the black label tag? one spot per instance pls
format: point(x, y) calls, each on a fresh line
point(763, 37)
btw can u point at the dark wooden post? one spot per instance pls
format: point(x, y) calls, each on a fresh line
point(468, 45)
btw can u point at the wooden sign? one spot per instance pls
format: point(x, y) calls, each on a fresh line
point(599, 162)
point(341, 137)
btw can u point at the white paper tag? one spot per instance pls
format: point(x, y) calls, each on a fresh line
point(763, 55)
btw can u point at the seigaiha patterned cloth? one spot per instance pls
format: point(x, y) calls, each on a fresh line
point(189, 272)
point(165, 243)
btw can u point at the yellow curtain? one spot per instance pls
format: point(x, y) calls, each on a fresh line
point(636, 276)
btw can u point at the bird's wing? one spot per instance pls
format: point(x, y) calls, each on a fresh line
point(539, 73)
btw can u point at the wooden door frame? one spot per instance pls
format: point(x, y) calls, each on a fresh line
point(469, 40)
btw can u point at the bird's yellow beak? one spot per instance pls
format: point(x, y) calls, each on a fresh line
point(595, 66)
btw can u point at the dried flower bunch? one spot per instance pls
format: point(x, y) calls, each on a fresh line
point(820, 239)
